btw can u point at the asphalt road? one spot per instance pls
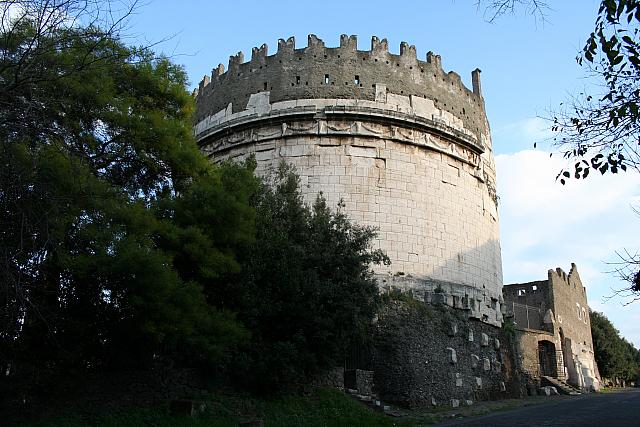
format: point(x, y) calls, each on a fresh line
point(603, 410)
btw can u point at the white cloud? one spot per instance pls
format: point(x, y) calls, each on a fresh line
point(546, 225)
point(9, 12)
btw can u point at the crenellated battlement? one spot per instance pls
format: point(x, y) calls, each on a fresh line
point(343, 72)
point(572, 279)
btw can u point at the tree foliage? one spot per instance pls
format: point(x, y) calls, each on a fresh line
point(615, 356)
point(600, 131)
point(306, 291)
point(120, 244)
point(99, 180)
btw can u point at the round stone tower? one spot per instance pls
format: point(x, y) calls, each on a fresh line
point(403, 144)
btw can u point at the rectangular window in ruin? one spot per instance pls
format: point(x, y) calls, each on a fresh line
point(578, 310)
point(521, 292)
point(297, 80)
point(326, 79)
point(265, 85)
point(356, 80)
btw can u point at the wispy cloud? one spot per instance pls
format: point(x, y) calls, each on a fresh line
point(521, 135)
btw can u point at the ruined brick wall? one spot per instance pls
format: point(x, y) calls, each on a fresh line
point(527, 303)
point(403, 144)
point(433, 355)
point(569, 299)
point(527, 356)
point(534, 294)
point(563, 299)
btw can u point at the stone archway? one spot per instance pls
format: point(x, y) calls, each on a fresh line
point(547, 359)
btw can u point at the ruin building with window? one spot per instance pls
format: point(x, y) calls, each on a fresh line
point(554, 339)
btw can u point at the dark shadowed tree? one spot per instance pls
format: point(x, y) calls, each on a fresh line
point(306, 291)
point(99, 175)
point(615, 356)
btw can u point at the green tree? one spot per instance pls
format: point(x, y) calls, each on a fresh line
point(601, 131)
point(98, 176)
point(306, 291)
point(615, 356)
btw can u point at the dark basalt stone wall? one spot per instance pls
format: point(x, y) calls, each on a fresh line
point(425, 355)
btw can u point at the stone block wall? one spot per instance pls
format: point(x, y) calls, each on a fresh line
point(428, 355)
point(400, 146)
point(534, 294)
point(344, 72)
point(569, 298)
point(527, 351)
point(429, 197)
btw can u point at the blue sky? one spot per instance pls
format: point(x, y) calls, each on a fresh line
point(528, 68)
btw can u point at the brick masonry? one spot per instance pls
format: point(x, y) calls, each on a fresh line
point(565, 326)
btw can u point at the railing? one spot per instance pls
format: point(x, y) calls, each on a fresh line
point(525, 316)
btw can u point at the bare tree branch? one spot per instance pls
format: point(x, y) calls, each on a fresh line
point(495, 9)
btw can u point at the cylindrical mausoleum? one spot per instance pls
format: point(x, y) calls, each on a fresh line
point(403, 144)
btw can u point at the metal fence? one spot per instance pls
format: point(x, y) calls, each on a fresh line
point(525, 316)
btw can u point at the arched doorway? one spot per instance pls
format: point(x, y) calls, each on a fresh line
point(547, 358)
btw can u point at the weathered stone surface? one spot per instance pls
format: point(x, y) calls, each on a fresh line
point(453, 329)
point(320, 72)
point(496, 343)
point(453, 358)
point(407, 148)
point(475, 360)
point(553, 315)
point(468, 402)
point(455, 403)
point(486, 364)
point(359, 380)
point(401, 340)
point(548, 391)
point(484, 340)
point(458, 379)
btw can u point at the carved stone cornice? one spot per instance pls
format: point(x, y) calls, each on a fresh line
point(352, 121)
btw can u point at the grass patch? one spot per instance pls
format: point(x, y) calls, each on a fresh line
point(396, 295)
point(613, 389)
point(325, 408)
